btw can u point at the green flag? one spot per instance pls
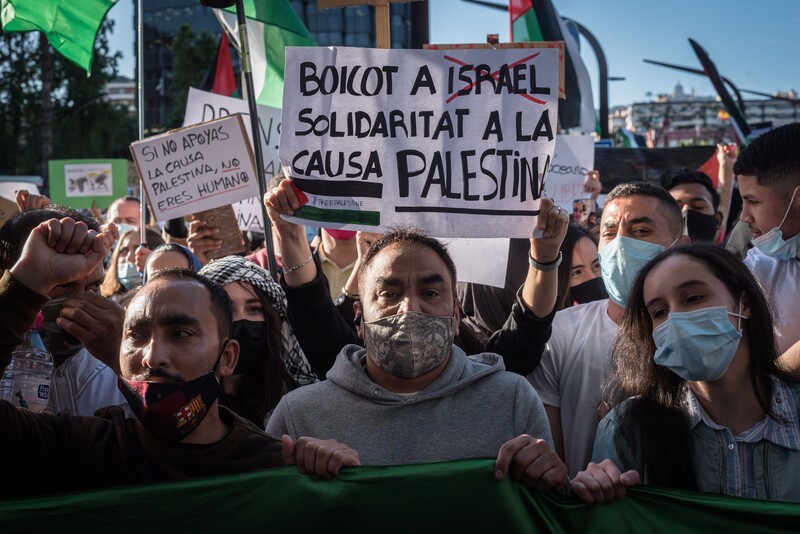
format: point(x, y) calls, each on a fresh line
point(272, 25)
point(71, 26)
point(458, 496)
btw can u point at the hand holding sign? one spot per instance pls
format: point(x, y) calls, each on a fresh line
point(282, 202)
point(203, 240)
point(551, 228)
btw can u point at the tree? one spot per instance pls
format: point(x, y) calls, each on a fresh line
point(84, 123)
point(193, 54)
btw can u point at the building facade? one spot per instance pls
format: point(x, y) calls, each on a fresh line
point(352, 26)
point(688, 119)
point(121, 92)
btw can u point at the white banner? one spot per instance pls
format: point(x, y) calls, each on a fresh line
point(454, 141)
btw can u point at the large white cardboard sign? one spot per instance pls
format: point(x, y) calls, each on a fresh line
point(454, 141)
point(196, 168)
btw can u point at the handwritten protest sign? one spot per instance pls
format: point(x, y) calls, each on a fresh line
point(573, 159)
point(457, 142)
point(196, 168)
point(202, 106)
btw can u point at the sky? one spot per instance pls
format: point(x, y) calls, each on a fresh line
point(754, 44)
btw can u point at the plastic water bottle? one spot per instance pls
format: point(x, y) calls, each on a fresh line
point(26, 381)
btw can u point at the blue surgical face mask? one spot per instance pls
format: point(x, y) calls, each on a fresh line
point(128, 276)
point(123, 227)
point(772, 243)
point(620, 262)
point(697, 345)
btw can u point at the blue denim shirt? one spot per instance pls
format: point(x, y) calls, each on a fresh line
point(776, 456)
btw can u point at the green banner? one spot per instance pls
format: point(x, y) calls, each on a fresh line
point(449, 497)
point(78, 182)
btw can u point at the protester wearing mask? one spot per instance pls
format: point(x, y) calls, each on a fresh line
point(82, 329)
point(323, 327)
point(699, 202)
point(639, 221)
point(411, 396)
point(271, 361)
point(176, 347)
point(579, 279)
point(123, 275)
point(699, 400)
point(768, 170)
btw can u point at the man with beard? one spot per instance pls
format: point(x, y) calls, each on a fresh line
point(176, 346)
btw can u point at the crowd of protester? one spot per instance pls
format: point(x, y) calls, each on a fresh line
point(639, 345)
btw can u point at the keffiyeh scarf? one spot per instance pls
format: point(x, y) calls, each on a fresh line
point(238, 269)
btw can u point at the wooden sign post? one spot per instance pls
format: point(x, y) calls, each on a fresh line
point(383, 35)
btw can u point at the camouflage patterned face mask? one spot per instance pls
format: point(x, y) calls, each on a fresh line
point(409, 344)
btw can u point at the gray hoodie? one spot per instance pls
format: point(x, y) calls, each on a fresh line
point(469, 411)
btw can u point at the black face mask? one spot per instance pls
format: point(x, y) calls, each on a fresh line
point(699, 226)
point(61, 344)
point(253, 345)
point(588, 291)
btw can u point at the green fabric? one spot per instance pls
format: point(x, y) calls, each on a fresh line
point(449, 497)
point(71, 26)
point(526, 28)
point(275, 24)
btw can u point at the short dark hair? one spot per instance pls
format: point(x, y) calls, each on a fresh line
point(671, 210)
point(14, 233)
point(694, 177)
point(773, 158)
point(409, 236)
point(221, 306)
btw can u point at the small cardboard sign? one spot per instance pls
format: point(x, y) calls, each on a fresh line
point(572, 161)
point(196, 168)
point(7, 210)
point(223, 218)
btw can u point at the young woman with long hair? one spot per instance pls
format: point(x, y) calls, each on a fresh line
point(698, 399)
point(271, 361)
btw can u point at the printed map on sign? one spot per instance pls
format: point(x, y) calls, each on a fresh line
point(455, 141)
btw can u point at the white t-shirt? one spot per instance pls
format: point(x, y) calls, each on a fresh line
point(575, 364)
point(781, 283)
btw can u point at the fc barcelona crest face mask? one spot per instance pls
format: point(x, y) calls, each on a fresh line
point(170, 411)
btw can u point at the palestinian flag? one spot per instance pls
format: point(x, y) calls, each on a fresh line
point(339, 201)
point(71, 26)
point(272, 25)
point(538, 20)
point(219, 78)
point(738, 120)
